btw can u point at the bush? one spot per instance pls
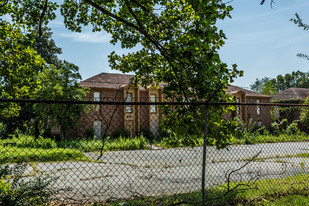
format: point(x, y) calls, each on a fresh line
point(145, 132)
point(252, 126)
point(261, 131)
point(89, 134)
point(185, 141)
point(292, 129)
point(34, 191)
point(274, 129)
point(2, 130)
point(121, 133)
point(240, 129)
point(304, 114)
point(283, 124)
point(163, 133)
point(43, 143)
point(127, 144)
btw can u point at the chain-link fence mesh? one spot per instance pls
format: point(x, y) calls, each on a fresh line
point(111, 151)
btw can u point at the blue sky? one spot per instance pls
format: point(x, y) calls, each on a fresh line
point(261, 41)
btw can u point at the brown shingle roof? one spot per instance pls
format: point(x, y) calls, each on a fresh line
point(115, 81)
point(107, 80)
point(292, 93)
point(232, 89)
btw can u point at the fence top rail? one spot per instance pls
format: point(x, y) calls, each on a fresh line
point(146, 103)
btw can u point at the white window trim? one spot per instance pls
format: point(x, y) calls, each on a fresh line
point(129, 107)
point(153, 108)
point(258, 110)
point(96, 96)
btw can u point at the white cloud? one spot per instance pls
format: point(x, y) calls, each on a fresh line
point(89, 37)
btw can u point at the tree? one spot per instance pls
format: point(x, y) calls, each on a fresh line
point(271, 86)
point(60, 84)
point(179, 39)
point(58, 81)
point(18, 61)
point(271, 2)
point(31, 16)
point(180, 43)
point(299, 22)
point(304, 114)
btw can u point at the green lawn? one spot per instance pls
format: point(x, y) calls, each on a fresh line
point(26, 149)
point(292, 190)
point(45, 149)
point(14, 154)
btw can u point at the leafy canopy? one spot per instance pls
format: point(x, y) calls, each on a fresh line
point(179, 43)
point(179, 46)
point(281, 82)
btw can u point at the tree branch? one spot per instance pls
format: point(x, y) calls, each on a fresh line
point(42, 17)
point(271, 3)
point(155, 42)
point(108, 123)
point(5, 3)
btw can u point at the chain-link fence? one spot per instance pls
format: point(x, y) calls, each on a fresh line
point(112, 151)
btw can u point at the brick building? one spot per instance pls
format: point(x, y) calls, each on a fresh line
point(258, 114)
point(114, 87)
point(290, 96)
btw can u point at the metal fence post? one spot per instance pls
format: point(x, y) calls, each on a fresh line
point(204, 156)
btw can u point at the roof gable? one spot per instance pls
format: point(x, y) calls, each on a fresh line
point(292, 93)
point(115, 81)
point(234, 89)
point(107, 80)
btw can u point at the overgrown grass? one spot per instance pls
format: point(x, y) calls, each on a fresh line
point(248, 139)
point(14, 154)
point(257, 138)
point(127, 144)
point(293, 189)
point(110, 144)
point(24, 141)
point(27, 149)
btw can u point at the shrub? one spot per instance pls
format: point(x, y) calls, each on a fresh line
point(274, 129)
point(292, 129)
point(145, 132)
point(252, 126)
point(304, 114)
point(121, 133)
point(47, 133)
point(261, 131)
point(240, 129)
point(89, 134)
point(33, 191)
point(127, 144)
point(2, 130)
point(184, 141)
point(43, 143)
point(163, 133)
point(283, 124)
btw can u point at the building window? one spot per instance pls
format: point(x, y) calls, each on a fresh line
point(97, 127)
point(238, 107)
point(97, 98)
point(258, 111)
point(153, 107)
point(129, 99)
